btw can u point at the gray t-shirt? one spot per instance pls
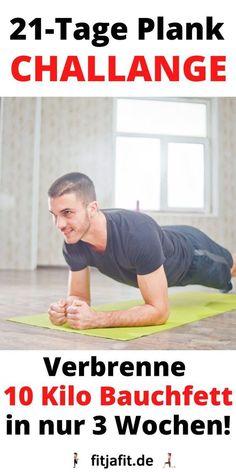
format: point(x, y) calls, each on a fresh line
point(136, 245)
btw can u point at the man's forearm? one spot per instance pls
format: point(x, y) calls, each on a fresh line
point(143, 315)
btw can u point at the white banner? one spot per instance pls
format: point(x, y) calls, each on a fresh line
point(117, 410)
point(124, 49)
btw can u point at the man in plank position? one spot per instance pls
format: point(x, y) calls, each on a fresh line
point(131, 248)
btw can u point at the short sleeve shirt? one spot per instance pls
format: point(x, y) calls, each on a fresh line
point(136, 245)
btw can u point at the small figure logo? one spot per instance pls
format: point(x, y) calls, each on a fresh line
point(76, 458)
point(168, 462)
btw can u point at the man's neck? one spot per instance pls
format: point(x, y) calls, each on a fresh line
point(97, 233)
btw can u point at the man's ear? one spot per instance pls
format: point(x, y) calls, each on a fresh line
point(92, 208)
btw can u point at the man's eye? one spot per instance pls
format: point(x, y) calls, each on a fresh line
point(68, 212)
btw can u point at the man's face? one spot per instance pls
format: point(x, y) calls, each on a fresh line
point(70, 216)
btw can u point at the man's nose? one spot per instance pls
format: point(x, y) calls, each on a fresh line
point(59, 222)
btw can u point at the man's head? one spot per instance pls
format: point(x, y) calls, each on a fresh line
point(75, 182)
point(72, 202)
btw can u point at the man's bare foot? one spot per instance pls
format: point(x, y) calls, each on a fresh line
point(233, 269)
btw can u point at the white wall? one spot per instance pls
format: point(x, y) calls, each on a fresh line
point(76, 134)
point(19, 182)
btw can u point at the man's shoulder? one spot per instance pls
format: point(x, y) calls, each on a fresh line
point(72, 248)
point(120, 215)
point(75, 255)
point(131, 226)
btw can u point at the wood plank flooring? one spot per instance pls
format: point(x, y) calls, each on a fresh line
point(31, 292)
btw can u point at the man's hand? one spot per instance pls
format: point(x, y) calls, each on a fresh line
point(57, 312)
point(73, 311)
point(81, 316)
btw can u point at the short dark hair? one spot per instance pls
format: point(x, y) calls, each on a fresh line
point(75, 182)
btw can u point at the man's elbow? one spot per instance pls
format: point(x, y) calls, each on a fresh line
point(161, 315)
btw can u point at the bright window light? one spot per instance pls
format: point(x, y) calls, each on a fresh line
point(163, 154)
point(161, 117)
point(185, 175)
point(137, 173)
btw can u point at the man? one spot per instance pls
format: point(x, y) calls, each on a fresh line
point(168, 462)
point(131, 248)
point(75, 459)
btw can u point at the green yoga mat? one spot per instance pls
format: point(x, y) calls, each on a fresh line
point(185, 308)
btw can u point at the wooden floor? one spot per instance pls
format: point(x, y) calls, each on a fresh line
point(26, 292)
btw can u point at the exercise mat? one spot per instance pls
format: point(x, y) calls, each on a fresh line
point(186, 307)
